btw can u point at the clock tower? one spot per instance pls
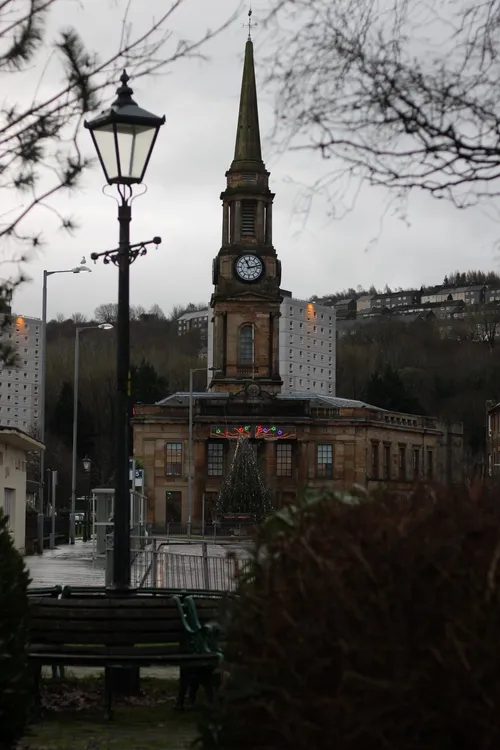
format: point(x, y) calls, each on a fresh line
point(246, 272)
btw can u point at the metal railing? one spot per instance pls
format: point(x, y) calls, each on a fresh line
point(207, 530)
point(161, 565)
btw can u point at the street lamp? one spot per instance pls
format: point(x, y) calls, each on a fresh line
point(190, 443)
point(87, 467)
point(77, 269)
point(124, 137)
point(78, 330)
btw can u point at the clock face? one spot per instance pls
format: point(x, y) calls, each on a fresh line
point(249, 267)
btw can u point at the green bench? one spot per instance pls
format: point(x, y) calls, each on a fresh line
point(143, 629)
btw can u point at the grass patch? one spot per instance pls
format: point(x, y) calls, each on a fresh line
point(73, 718)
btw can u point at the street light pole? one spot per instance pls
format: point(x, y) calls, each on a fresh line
point(79, 329)
point(121, 541)
point(46, 274)
point(124, 137)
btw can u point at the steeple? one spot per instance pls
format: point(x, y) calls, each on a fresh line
point(247, 151)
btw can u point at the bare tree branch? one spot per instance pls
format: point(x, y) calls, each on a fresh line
point(403, 92)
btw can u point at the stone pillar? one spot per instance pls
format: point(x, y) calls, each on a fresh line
point(303, 461)
point(237, 221)
point(225, 223)
point(270, 354)
point(219, 345)
point(269, 224)
point(199, 460)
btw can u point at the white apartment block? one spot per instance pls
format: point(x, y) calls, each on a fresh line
point(20, 387)
point(306, 347)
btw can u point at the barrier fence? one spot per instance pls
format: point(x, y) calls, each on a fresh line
point(157, 566)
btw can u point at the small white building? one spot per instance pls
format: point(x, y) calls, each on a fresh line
point(14, 446)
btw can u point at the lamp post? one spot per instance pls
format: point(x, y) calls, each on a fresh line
point(77, 269)
point(87, 467)
point(78, 331)
point(190, 443)
point(124, 137)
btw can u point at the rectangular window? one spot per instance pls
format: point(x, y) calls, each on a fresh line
point(173, 459)
point(215, 459)
point(246, 345)
point(402, 462)
point(387, 461)
point(283, 460)
point(325, 460)
point(430, 464)
point(248, 213)
point(374, 474)
point(416, 463)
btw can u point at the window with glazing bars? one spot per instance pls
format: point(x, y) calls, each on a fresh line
point(173, 459)
point(283, 460)
point(215, 462)
point(246, 345)
point(325, 460)
point(248, 212)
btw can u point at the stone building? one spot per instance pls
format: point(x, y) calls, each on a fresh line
point(303, 440)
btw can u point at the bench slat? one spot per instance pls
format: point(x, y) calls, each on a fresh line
point(106, 626)
point(138, 616)
point(103, 602)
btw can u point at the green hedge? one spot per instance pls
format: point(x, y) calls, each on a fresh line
point(371, 624)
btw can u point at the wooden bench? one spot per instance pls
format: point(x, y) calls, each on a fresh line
point(110, 631)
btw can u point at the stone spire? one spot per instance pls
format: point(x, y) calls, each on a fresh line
point(247, 151)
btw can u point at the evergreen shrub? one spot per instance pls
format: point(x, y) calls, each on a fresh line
point(368, 623)
point(15, 686)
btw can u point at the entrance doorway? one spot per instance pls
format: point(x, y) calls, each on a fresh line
point(173, 507)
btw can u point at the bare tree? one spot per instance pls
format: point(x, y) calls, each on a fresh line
point(106, 313)
point(78, 318)
point(39, 143)
point(40, 153)
point(404, 93)
point(156, 312)
point(483, 324)
point(136, 312)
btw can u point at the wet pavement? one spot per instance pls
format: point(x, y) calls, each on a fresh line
point(178, 565)
point(67, 565)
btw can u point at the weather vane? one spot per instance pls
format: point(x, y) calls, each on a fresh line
point(250, 23)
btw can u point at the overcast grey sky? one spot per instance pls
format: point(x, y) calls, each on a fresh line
point(186, 176)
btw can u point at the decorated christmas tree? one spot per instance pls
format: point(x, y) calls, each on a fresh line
point(243, 491)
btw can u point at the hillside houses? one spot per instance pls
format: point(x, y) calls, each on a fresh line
point(444, 303)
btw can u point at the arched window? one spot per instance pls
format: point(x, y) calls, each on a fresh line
point(246, 344)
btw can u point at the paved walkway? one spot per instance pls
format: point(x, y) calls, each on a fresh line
point(178, 565)
point(68, 565)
